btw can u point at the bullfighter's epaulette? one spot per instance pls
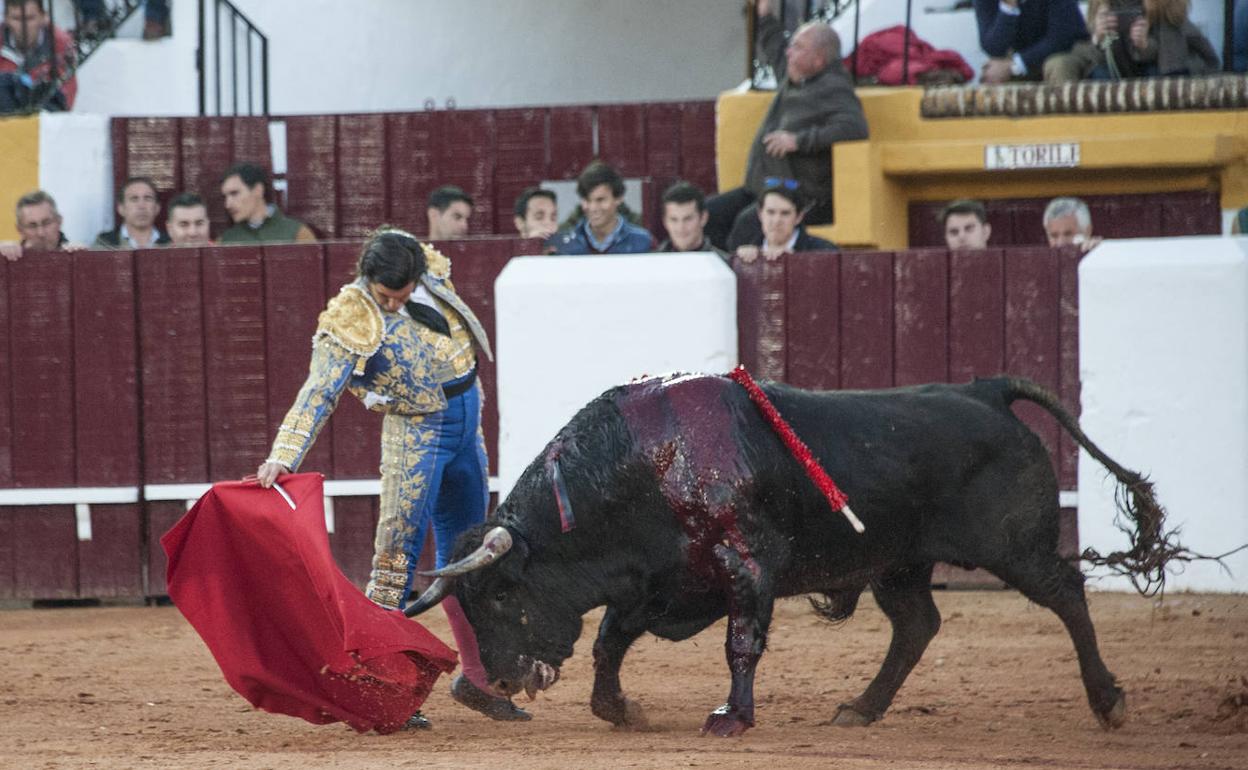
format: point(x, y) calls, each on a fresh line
point(353, 320)
point(437, 263)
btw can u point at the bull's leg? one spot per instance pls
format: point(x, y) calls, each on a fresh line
point(905, 596)
point(1059, 586)
point(615, 635)
point(749, 617)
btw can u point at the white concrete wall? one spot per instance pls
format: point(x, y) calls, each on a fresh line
point(1163, 352)
point(327, 56)
point(76, 166)
point(571, 327)
point(130, 76)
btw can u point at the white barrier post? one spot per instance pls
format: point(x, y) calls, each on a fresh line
point(1163, 358)
point(571, 327)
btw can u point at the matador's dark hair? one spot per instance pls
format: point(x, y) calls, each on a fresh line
point(391, 257)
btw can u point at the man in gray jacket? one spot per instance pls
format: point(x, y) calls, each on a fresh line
point(814, 107)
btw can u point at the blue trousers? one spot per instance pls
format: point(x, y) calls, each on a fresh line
point(433, 471)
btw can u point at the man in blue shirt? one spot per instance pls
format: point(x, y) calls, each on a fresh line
point(601, 228)
point(1018, 35)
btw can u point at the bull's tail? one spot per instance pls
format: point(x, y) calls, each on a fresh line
point(1152, 547)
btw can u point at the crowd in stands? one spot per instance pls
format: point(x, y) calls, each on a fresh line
point(38, 59)
point(1051, 40)
point(788, 180)
point(1066, 222)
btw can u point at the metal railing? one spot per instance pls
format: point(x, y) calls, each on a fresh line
point(90, 31)
point(239, 69)
point(795, 12)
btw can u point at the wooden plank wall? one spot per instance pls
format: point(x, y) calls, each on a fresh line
point(884, 319)
point(175, 365)
point(346, 174)
point(1019, 221)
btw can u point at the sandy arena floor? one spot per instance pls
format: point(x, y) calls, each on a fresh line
point(133, 687)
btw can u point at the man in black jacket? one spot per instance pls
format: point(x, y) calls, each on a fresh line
point(137, 205)
point(814, 107)
point(780, 213)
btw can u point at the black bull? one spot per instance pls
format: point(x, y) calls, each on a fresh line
point(688, 507)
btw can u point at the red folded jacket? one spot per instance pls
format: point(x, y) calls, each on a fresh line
point(292, 635)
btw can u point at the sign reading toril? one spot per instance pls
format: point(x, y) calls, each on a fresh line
point(1001, 157)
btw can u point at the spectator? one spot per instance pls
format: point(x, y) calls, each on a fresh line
point(814, 107)
point(601, 228)
point(1067, 222)
point(684, 217)
point(780, 213)
point(188, 221)
point(137, 205)
point(1136, 38)
point(965, 225)
point(39, 224)
point(448, 213)
point(33, 57)
point(1019, 35)
point(537, 213)
point(246, 190)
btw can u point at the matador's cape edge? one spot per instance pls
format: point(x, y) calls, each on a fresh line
point(290, 632)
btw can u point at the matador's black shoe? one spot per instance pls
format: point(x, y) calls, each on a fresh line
point(417, 721)
point(502, 709)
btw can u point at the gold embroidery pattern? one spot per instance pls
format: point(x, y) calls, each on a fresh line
point(405, 447)
point(328, 373)
point(437, 263)
point(407, 369)
point(353, 320)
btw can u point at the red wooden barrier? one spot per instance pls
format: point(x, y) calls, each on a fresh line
point(312, 173)
point(1019, 221)
point(171, 355)
point(363, 163)
point(175, 366)
point(875, 319)
point(6, 387)
point(343, 179)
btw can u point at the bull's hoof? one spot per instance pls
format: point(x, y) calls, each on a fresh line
point(1116, 716)
point(847, 715)
point(622, 712)
point(727, 722)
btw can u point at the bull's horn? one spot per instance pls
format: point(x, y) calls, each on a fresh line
point(495, 543)
point(435, 593)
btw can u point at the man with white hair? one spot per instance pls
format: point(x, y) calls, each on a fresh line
point(1067, 222)
point(814, 107)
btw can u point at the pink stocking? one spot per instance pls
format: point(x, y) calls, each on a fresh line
point(466, 641)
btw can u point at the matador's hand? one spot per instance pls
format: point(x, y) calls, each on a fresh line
point(268, 472)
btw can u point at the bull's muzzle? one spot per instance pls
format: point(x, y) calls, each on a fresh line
point(537, 675)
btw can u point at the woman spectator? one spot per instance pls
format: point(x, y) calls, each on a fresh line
point(1132, 39)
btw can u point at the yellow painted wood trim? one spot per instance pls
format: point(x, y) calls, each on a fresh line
point(1113, 152)
point(19, 167)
